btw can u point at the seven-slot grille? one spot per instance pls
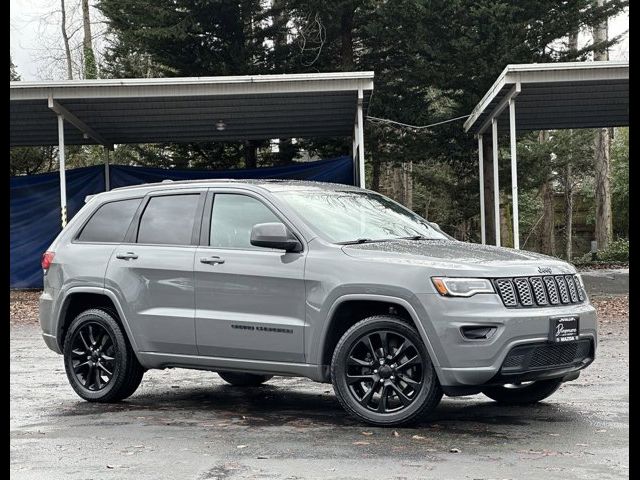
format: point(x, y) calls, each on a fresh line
point(542, 291)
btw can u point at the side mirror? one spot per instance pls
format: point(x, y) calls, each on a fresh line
point(435, 225)
point(274, 235)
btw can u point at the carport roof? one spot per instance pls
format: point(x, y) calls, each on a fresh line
point(557, 96)
point(176, 110)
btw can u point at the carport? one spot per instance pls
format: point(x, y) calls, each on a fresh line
point(548, 96)
point(181, 110)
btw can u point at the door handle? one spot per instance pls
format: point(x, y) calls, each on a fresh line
point(127, 256)
point(211, 260)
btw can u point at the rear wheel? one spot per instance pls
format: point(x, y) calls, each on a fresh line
point(382, 374)
point(100, 364)
point(240, 379)
point(523, 393)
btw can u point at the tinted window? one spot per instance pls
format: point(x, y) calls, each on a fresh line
point(168, 220)
point(233, 217)
point(110, 222)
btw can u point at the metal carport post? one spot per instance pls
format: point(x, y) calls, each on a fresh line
point(551, 96)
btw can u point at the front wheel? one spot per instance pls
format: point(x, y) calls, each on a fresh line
point(382, 374)
point(523, 393)
point(100, 364)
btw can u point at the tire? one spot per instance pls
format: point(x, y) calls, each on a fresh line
point(239, 379)
point(396, 392)
point(523, 395)
point(95, 342)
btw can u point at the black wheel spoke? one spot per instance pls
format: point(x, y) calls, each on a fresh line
point(104, 369)
point(78, 367)
point(98, 378)
point(408, 380)
point(86, 345)
point(357, 362)
point(359, 378)
point(91, 337)
point(384, 341)
point(384, 397)
point(78, 352)
point(371, 349)
point(403, 398)
point(106, 358)
point(400, 350)
point(88, 379)
point(364, 401)
point(105, 339)
point(415, 360)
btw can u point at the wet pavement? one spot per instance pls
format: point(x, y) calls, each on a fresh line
point(187, 424)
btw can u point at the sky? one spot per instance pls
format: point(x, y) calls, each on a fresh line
point(36, 42)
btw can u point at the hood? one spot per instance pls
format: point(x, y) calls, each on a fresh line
point(455, 255)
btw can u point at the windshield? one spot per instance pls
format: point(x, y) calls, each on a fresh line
point(352, 216)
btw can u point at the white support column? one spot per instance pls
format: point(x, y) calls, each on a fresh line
point(514, 173)
point(354, 152)
point(107, 183)
point(496, 183)
point(360, 124)
point(483, 234)
point(63, 179)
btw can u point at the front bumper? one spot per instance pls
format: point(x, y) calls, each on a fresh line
point(463, 362)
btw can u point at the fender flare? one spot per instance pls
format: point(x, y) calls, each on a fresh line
point(381, 298)
point(99, 291)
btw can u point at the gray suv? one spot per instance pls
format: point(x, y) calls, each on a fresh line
point(338, 284)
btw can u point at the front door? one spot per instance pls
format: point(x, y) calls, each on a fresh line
point(249, 300)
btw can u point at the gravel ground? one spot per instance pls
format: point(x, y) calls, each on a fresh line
point(190, 425)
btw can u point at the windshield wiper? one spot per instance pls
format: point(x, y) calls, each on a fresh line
point(356, 241)
point(415, 237)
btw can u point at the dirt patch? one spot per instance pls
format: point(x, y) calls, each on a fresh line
point(23, 307)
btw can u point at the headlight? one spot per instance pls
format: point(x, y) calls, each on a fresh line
point(462, 287)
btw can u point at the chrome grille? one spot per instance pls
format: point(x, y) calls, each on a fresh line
point(539, 291)
point(524, 291)
point(506, 291)
point(552, 290)
point(562, 288)
point(573, 294)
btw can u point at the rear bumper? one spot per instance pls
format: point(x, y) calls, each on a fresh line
point(46, 317)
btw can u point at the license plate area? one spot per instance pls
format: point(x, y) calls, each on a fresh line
point(564, 329)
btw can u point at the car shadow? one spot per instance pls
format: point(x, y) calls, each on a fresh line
point(270, 405)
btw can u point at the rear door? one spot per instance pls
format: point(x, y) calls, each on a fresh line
point(249, 300)
point(152, 272)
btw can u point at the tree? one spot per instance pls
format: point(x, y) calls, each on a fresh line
point(90, 68)
point(65, 39)
point(604, 225)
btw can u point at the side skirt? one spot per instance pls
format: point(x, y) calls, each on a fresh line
point(151, 360)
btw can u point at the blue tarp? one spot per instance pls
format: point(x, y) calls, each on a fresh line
point(35, 201)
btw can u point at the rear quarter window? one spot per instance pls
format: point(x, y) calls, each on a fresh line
point(110, 222)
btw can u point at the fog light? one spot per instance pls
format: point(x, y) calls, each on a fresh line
point(478, 333)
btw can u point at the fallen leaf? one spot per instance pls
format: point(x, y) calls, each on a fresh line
point(395, 433)
point(418, 437)
point(454, 450)
point(367, 433)
point(242, 446)
point(360, 442)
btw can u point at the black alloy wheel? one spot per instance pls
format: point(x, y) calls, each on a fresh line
point(93, 356)
point(382, 373)
point(101, 365)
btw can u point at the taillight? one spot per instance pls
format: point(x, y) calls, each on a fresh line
point(47, 258)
